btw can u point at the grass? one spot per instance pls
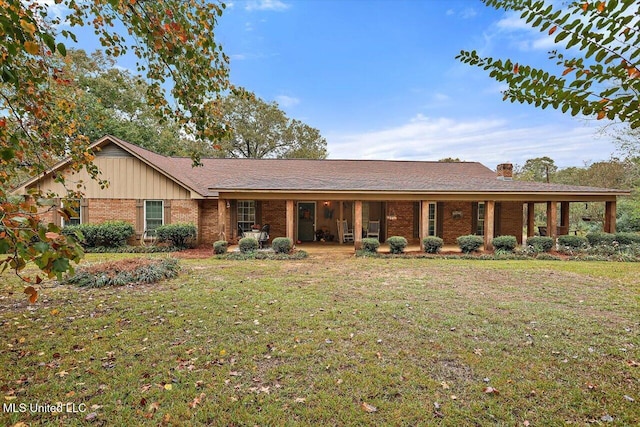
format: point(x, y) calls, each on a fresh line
point(309, 342)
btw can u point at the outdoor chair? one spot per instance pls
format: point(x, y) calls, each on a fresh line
point(373, 230)
point(264, 235)
point(346, 234)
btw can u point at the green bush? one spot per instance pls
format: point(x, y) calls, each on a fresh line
point(572, 242)
point(397, 244)
point(627, 238)
point(547, 257)
point(470, 243)
point(220, 247)
point(370, 245)
point(504, 243)
point(432, 244)
point(248, 244)
point(180, 234)
point(282, 245)
point(109, 234)
point(540, 243)
point(600, 239)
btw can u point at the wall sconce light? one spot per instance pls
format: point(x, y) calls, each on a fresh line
point(456, 214)
point(326, 203)
point(228, 204)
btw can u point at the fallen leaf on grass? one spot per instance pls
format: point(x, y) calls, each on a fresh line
point(91, 416)
point(478, 351)
point(490, 390)
point(197, 400)
point(33, 294)
point(368, 408)
point(633, 363)
point(61, 374)
point(300, 400)
point(168, 386)
point(444, 385)
point(629, 398)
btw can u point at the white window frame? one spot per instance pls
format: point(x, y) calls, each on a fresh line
point(146, 227)
point(245, 214)
point(79, 217)
point(433, 216)
point(480, 218)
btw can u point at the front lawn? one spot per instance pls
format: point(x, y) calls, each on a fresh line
point(335, 341)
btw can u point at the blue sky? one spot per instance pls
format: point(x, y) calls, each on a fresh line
point(379, 79)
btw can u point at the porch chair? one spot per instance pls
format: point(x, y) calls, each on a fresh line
point(264, 235)
point(346, 235)
point(373, 230)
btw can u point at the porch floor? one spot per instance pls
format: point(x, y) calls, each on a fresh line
point(347, 248)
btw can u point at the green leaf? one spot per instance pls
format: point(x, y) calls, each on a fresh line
point(60, 265)
point(62, 49)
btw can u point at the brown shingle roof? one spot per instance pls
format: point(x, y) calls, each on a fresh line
point(341, 176)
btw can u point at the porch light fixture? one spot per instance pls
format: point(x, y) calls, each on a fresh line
point(228, 204)
point(456, 214)
point(326, 203)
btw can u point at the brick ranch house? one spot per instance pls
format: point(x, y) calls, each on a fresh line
point(298, 198)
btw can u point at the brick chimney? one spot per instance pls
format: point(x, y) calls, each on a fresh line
point(505, 172)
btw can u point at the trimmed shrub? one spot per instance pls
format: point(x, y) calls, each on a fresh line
point(627, 238)
point(547, 257)
point(397, 244)
point(572, 242)
point(540, 243)
point(180, 234)
point(220, 247)
point(600, 239)
point(109, 234)
point(125, 272)
point(282, 245)
point(432, 244)
point(505, 243)
point(370, 245)
point(470, 243)
point(248, 244)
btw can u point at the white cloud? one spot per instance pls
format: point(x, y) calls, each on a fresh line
point(468, 13)
point(287, 101)
point(274, 5)
point(489, 141)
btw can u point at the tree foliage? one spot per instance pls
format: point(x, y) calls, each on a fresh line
point(113, 101)
point(539, 169)
point(261, 129)
point(40, 121)
point(603, 81)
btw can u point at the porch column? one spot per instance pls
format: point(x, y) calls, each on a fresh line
point(564, 216)
point(341, 218)
point(357, 224)
point(489, 217)
point(531, 219)
point(552, 220)
point(610, 217)
point(290, 222)
point(424, 222)
point(222, 219)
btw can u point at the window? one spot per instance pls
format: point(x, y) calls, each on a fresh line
point(72, 208)
point(153, 215)
point(246, 214)
point(432, 219)
point(480, 228)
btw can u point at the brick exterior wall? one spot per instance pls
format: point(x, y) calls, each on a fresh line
point(209, 231)
point(185, 211)
point(455, 227)
point(511, 219)
point(274, 213)
point(101, 210)
point(403, 225)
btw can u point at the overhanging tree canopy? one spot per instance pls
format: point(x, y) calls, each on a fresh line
point(177, 54)
point(602, 81)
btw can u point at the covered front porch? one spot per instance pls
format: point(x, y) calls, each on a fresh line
point(327, 218)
